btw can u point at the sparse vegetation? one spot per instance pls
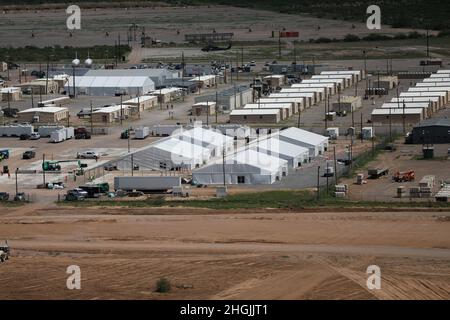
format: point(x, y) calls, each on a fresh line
point(58, 53)
point(163, 285)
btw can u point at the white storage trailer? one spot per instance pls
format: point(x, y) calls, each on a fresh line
point(141, 132)
point(46, 131)
point(16, 130)
point(149, 183)
point(166, 129)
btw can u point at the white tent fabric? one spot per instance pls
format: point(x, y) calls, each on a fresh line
point(295, 155)
point(245, 167)
point(316, 143)
point(105, 86)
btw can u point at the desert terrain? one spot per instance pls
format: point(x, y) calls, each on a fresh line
point(250, 254)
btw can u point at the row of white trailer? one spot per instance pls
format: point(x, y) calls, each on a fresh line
point(289, 101)
point(418, 103)
point(210, 155)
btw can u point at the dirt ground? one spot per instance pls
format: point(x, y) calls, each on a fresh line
point(224, 255)
point(49, 26)
point(405, 158)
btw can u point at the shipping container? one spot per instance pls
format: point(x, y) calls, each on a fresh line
point(150, 183)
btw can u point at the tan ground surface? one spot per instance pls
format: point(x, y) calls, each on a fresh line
point(49, 26)
point(224, 255)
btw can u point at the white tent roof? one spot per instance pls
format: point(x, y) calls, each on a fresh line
point(111, 82)
point(207, 136)
point(182, 148)
point(260, 160)
point(303, 135)
point(281, 147)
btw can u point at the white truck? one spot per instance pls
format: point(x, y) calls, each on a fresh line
point(62, 134)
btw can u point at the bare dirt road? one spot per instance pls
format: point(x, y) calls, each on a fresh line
point(224, 254)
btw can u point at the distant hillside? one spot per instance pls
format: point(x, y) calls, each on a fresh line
point(432, 14)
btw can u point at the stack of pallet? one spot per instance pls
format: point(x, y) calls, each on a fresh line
point(426, 186)
point(340, 190)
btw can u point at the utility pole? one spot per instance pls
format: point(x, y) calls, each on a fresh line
point(299, 116)
point(390, 124)
point(129, 135)
point(223, 166)
point(132, 165)
point(92, 121)
point(428, 45)
point(43, 170)
point(326, 115)
point(279, 44)
point(361, 128)
point(17, 185)
point(335, 166)
point(373, 141)
point(207, 112)
point(216, 107)
point(318, 183)
point(46, 75)
point(121, 110)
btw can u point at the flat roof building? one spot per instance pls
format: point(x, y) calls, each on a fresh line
point(347, 104)
point(397, 115)
point(43, 115)
point(255, 116)
point(111, 114)
point(431, 131)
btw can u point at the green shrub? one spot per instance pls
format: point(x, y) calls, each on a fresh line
point(163, 285)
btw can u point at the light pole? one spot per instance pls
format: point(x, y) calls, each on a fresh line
point(75, 63)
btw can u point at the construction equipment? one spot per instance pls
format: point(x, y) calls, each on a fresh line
point(125, 134)
point(4, 252)
point(55, 166)
point(404, 176)
point(4, 154)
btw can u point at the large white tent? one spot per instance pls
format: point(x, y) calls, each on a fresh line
point(172, 154)
point(109, 86)
point(244, 167)
point(295, 155)
point(212, 140)
point(315, 143)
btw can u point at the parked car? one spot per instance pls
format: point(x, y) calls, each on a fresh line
point(24, 137)
point(19, 196)
point(110, 167)
point(29, 154)
point(4, 196)
point(88, 155)
point(35, 136)
point(76, 195)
